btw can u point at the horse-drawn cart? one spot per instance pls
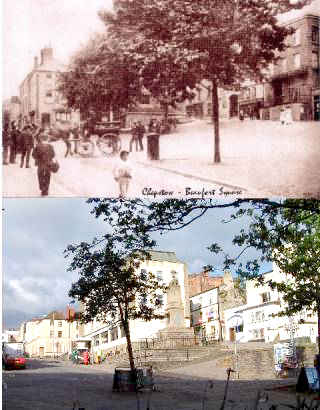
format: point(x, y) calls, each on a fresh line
point(108, 137)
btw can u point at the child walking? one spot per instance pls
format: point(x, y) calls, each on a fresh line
point(123, 173)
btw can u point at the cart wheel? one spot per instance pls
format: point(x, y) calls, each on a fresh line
point(109, 144)
point(86, 149)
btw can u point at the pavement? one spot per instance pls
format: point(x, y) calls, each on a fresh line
point(47, 384)
point(258, 159)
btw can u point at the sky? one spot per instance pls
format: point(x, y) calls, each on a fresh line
point(29, 25)
point(36, 232)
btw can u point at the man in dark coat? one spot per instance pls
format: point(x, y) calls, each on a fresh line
point(43, 155)
point(140, 134)
point(26, 145)
point(134, 137)
point(6, 140)
point(14, 142)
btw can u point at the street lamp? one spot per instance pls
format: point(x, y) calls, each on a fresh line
point(237, 320)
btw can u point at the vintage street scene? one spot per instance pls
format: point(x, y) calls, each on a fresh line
point(120, 99)
point(132, 304)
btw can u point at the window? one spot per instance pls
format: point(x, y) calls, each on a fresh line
point(96, 341)
point(59, 324)
point(143, 274)
point(297, 60)
point(145, 99)
point(315, 34)
point(59, 333)
point(174, 274)
point(159, 275)
point(159, 300)
point(104, 337)
point(265, 297)
point(114, 333)
point(143, 299)
point(297, 37)
point(122, 333)
point(49, 94)
point(51, 333)
point(49, 75)
point(315, 59)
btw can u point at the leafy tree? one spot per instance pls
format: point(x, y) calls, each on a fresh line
point(223, 41)
point(109, 285)
point(100, 78)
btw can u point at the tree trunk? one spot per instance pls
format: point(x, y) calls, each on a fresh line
point(318, 314)
point(215, 120)
point(166, 113)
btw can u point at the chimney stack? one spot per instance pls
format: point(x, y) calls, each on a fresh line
point(46, 55)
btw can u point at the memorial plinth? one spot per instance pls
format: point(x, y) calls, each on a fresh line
point(176, 330)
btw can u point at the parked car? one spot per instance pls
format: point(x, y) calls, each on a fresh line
point(13, 362)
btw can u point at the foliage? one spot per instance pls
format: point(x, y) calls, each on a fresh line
point(109, 286)
point(100, 78)
point(223, 41)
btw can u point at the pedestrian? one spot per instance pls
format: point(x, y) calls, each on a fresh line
point(67, 136)
point(134, 137)
point(13, 142)
point(27, 145)
point(43, 155)
point(241, 115)
point(123, 173)
point(6, 141)
point(140, 134)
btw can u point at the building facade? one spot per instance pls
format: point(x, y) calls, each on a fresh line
point(40, 101)
point(13, 108)
point(51, 335)
point(293, 81)
point(257, 320)
point(111, 338)
point(201, 105)
point(205, 314)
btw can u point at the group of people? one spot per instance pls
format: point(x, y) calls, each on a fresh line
point(137, 133)
point(26, 141)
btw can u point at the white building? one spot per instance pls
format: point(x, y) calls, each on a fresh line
point(165, 266)
point(205, 315)
point(10, 336)
point(259, 319)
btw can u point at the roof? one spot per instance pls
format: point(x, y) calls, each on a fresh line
point(51, 65)
point(311, 10)
point(163, 256)
point(56, 315)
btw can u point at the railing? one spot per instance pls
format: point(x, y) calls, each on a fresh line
point(174, 342)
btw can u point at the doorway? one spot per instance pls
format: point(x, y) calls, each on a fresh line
point(41, 351)
point(45, 120)
point(233, 106)
point(232, 334)
point(317, 107)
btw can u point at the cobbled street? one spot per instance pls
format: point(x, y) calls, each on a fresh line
point(49, 384)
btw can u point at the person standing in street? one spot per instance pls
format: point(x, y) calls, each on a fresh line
point(6, 141)
point(43, 155)
point(140, 134)
point(123, 174)
point(14, 142)
point(134, 137)
point(27, 145)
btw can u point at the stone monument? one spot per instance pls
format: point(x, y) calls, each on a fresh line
point(176, 328)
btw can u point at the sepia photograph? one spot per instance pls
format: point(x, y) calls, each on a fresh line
point(161, 98)
point(114, 304)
